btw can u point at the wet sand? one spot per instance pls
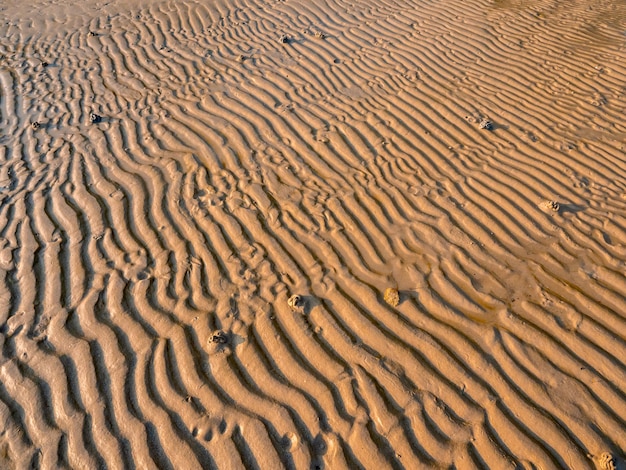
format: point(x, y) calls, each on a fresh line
point(443, 185)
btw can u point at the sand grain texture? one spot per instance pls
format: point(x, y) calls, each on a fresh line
point(468, 153)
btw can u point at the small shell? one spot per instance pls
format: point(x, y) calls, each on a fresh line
point(392, 296)
point(608, 462)
point(550, 206)
point(296, 303)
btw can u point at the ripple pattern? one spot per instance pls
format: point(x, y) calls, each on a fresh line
point(172, 173)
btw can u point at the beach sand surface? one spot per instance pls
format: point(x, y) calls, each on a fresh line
point(442, 184)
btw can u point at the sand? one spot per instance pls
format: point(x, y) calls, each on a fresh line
point(441, 184)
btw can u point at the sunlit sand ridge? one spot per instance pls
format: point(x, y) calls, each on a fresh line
point(443, 185)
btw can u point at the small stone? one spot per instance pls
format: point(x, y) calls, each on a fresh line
point(319, 35)
point(219, 337)
point(486, 124)
point(284, 39)
point(92, 34)
point(94, 118)
point(35, 125)
point(392, 296)
point(45, 64)
point(554, 205)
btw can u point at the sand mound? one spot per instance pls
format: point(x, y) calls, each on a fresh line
point(442, 185)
